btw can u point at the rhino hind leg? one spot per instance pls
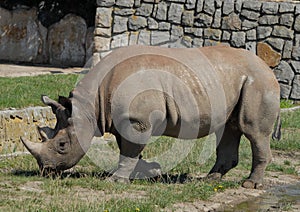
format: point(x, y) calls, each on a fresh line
point(261, 157)
point(257, 115)
point(227, 151)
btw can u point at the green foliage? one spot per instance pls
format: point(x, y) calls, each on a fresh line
point(22, 92)
point(286, 103)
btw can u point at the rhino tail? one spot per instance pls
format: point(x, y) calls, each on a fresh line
point(277, 129)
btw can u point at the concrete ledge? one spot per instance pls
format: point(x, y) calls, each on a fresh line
point(16, 123)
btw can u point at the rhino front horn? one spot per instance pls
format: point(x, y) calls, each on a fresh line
point(33, 148)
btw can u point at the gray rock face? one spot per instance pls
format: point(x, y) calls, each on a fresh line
point(66, 41)
point(296, 87)
point(20, 30)
point(284, 72)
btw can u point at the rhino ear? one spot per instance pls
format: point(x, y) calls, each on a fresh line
point(66, 102)
point(50, 102)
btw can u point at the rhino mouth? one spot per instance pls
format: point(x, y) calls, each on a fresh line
point(49, 171)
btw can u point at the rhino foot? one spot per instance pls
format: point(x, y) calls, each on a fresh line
point(252, 185)
point(214, 176)
point(115, 178)
point(146, 169)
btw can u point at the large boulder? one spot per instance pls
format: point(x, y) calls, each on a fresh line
point(66, 41)
point(22, 36)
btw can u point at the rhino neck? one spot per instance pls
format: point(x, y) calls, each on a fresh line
point(83, 125)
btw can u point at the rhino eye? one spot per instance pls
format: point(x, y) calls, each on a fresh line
point(63, 147)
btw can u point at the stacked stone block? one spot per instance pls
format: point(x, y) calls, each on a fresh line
point(269, 29)
point(16, 123)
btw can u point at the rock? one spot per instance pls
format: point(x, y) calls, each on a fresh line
point(20, 30)
point(175, 13)
point(265, 52)
point(125, 3)
point(226, 36)
point(176, 32)
point(144, 37)
point(102, 44)
point(297, 24)
point(287, 19)
point(285, 91)
point(295, 94)
point(133, 38)
point(251, 35)
point(252, 5)
point(188, 18)
point(136, 22)
point(217, 19)
point(89, 44)
point(287, 49)
point(231, 22)
point(251, 46)
point(270, 7)
point(199, 6)
point(152, 23)
point(190, 4)
point(120, 40)
point(120, 24)
point(268, 20)
point(246, 25)
point(162, 10)
point(66, 41)
point(145, 10)
point(251, 15)
point(228, 7)
point(209, 6)
point(103, 17)
point(203, 20)
point(296, 53)
point(238, 39)
point(263, 32)
point(16, 123)
point(284, 72)
point(106, 3)
point(124, 11)
point(276, 43)
point(285, 7)
point(213, 34)
point(163, 26)
point(158, 37)
point(296, 66)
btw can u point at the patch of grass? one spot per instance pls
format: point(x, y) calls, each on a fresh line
point(22, 92)
point(286, 103)
point(290, 132)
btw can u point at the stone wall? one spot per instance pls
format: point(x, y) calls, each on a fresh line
point(23, 38)
point(16, 123)
point(269, 29)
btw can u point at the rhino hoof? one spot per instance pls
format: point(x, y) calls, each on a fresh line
point(214, 176)
point(118, 179)
point(252, 185)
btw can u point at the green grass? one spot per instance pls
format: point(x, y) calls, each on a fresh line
point(20, 92)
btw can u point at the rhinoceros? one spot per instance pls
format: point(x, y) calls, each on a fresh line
point(140, 91)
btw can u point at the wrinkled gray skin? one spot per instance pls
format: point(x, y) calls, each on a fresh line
point(136, 92)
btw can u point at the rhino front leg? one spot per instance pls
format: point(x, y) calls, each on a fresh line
point(227, 151)
point(128, 160)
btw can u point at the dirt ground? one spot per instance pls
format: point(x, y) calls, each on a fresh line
point(226, 200)
point(12, 70)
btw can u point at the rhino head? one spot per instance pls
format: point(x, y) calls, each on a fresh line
point(60, 148)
